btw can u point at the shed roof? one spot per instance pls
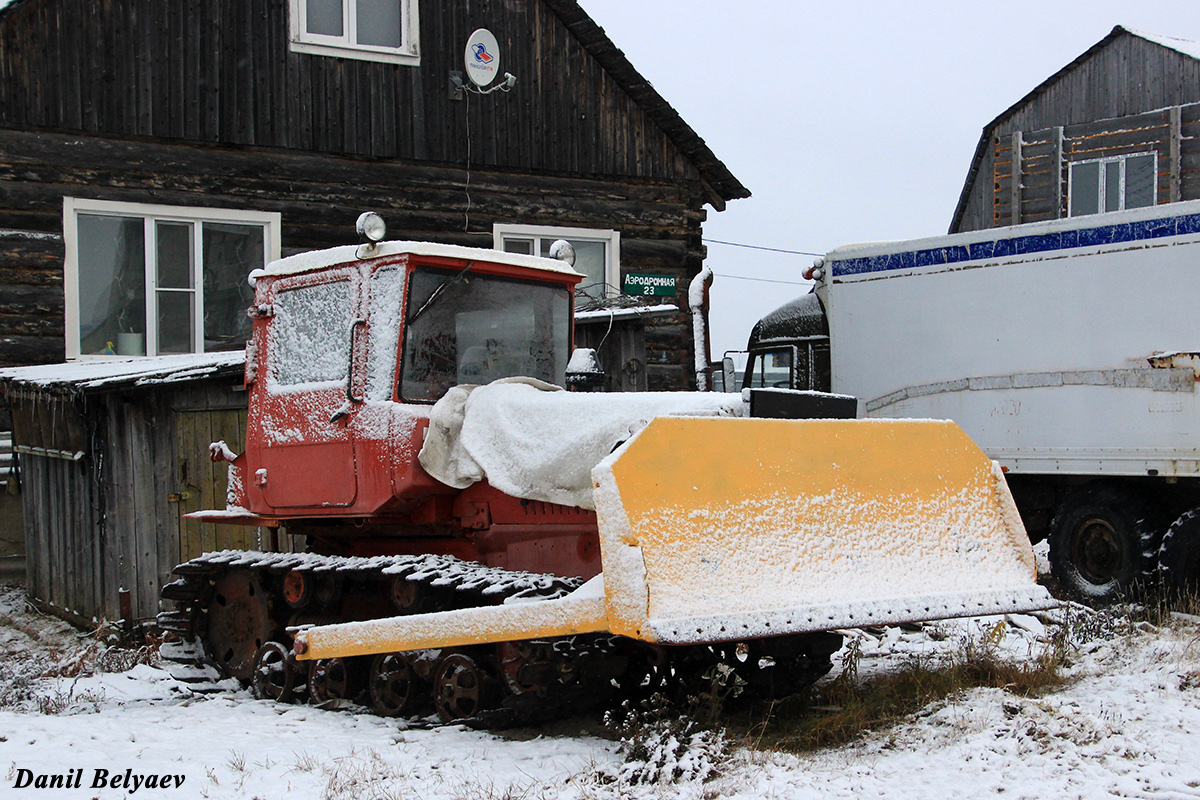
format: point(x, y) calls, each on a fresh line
point(1184, 47)
point(111, 373)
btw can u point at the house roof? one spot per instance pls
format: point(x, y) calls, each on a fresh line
point(721, 182)
point(1185, 47)
point(721, 185)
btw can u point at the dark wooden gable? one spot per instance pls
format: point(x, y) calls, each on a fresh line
point(1123, 75)
point(221, 72)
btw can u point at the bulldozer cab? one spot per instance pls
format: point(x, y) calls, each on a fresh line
point(348, 355)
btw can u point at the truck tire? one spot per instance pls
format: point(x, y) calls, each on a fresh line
point(1179, 556)
point(1102, 544)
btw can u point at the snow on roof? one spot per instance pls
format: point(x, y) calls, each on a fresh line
point(98, 373)
point(1185, 46)
point(316, 259)
point(624, 313)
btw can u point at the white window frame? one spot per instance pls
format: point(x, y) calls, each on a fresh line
point(345, 46)
point(611, 239)
point(1121, 159)
point(151, 214)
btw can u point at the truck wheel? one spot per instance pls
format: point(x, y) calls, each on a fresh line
point(1101, 544)
point(1179, 557)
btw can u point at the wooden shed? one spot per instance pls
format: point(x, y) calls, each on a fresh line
point(1118, 127)
point(111, 455)
point(152, 150)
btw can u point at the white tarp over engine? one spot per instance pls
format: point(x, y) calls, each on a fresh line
point(533, 440)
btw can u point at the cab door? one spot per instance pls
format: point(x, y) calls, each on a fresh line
point(306, 444)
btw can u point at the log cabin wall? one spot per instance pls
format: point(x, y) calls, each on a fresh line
point(1042, 160)
point(221, 72)
point(319, 199)
point(1123, 79)
point(204, 103)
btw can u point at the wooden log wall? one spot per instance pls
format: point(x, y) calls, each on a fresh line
point(1040, 160)
point(222, 72)
point(319, 198)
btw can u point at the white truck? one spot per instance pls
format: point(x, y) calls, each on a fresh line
point(1069, 350)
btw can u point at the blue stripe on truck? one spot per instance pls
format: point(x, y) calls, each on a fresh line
point(1018, 245)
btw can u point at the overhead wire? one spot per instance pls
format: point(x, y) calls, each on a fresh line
point(768, 249)
point(760, 247)
point(761, 280)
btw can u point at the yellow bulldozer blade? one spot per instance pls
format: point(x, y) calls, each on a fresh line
point(722, 529)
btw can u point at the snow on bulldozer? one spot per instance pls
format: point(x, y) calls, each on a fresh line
point(458, 534)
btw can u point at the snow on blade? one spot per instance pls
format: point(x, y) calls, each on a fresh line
point(786, 526)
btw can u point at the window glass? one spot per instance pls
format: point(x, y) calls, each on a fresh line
point(1112, 186)
point(591, 258)
point(175, 323)
point(119, 281)
point(1085, 188)
point(112, 283)
point(1140, 181)
point(771, 370)
point(379, 23)
point(822, 372)
point(310, 334)
point(597, 252)
point(386, 306)
point(522, 246)
point(324, 17)
point(466, 328)
point(368, 30)
point(230, 253)
point(174, 255)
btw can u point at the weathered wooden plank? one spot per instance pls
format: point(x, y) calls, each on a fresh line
point(1014, 188)
point(165, 513)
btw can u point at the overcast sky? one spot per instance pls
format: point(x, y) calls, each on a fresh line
point(849, 121)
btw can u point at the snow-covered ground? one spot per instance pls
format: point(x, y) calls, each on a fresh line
point(1126, 725)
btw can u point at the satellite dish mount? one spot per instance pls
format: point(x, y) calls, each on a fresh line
point(482, 61)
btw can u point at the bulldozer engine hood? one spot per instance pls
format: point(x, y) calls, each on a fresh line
point(533, 440)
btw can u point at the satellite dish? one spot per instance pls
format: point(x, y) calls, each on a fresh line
point(482, 57)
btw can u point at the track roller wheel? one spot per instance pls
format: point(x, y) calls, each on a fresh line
point(461, 688)
point(275, 673)
point(297, 589)
point(396, 691)
point(333, 679)
point(407, 596)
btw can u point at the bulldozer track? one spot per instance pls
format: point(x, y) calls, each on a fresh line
point(487, 686)
point(191, 593)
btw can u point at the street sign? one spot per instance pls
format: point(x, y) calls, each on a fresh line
point(649, 285)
